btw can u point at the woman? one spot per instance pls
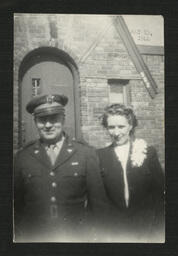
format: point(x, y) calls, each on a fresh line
point(133, 180)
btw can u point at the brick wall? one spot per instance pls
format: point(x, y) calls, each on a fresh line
point(156, 67)
point(98, 51)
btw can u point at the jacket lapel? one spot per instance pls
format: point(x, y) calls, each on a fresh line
point(116, 161)
point(118, 174)
point(66, 152)
point(129, 165)
point(114, 167)
point(131, 176)
point(114, 177)
point(39, 153)
point(116, 164)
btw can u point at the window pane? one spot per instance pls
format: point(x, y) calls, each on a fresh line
point(35, 86)
point(116, 93)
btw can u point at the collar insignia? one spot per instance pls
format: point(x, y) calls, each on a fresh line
point(69, 150)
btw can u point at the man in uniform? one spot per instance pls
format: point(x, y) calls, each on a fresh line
point(58, 190)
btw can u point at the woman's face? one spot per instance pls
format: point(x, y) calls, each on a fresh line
point(119, 129)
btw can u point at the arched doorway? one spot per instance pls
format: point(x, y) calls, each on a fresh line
point(48, 71)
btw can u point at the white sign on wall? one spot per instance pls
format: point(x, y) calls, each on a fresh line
point(146, 29)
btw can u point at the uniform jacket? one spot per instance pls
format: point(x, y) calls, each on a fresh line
point(146, 188)
point(65, 195)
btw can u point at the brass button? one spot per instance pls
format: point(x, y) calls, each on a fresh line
point(51, 173)
point(54, 185)
point(53, 199)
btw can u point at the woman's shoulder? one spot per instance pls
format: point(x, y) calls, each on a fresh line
point(149, 150)
point(142, 151)
point(142, 145)
point(103, 152)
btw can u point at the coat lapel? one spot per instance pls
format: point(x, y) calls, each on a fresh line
point(116, 164)
point(39, 152)
point(66, 152)
point(114, 177)
point(118, 174)
point(129, 165)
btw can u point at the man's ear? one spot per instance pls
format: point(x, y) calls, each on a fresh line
point(63, 119)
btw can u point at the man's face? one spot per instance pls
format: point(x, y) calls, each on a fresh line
point(118, 128)
point(50, 127)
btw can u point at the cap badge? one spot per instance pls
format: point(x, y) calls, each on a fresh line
point(50, 99)
point(36, 151)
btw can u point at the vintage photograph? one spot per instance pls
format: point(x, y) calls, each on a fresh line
point(88, 115)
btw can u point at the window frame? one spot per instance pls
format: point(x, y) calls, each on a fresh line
point(125, 83)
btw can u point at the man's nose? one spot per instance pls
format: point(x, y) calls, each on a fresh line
point(48, 124)
point(116, 130)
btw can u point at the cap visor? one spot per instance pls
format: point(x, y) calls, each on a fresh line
point(49, 112)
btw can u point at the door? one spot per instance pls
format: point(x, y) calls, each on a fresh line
point(46, 77)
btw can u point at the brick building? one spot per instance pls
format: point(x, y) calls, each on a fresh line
point(102, 64)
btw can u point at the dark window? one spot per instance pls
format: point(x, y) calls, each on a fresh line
point(119, 91)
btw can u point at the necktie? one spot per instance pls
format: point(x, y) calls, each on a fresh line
point(51, 153)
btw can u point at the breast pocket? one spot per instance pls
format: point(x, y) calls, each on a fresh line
point(32, 177)
point(74, 174)
point(74, 169)
point(34, 184)
point(73, 182)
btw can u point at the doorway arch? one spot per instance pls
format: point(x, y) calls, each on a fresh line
point(48, 70)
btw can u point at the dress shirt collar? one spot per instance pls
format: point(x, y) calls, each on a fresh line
point(122, 151)
point(123, 146)
point(56, 145)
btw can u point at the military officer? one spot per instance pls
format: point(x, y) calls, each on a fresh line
point(58, 191)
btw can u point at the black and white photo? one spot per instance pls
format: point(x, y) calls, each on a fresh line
point(88, 128)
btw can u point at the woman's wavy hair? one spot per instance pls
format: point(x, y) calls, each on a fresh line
point(121, 110)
